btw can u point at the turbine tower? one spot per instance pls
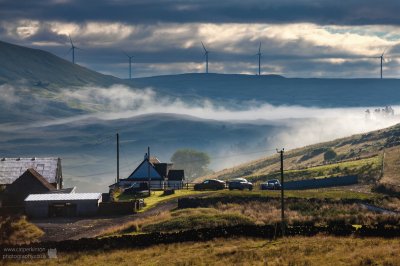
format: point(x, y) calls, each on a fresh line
point(73, 47)
point(130, 64)
point(382, 57)
point(259, 59)
point(206, 54)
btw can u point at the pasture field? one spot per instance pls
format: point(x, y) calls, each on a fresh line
point(319, 250)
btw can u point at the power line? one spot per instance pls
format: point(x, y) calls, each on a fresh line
point(282, 193)
point(107, 172)
point(189, 161)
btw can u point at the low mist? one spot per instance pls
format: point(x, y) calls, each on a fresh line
point(230, 132)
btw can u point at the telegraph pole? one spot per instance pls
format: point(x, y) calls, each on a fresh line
point(282, 194)
point(117, 158)
point(148, 169)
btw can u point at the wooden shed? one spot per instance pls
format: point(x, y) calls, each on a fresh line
point(62, 204)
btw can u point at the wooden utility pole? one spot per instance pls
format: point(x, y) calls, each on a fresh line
point(282, 194)
point(148, 169)
point(117, 158)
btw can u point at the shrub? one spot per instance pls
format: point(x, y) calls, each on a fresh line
point(330, 155)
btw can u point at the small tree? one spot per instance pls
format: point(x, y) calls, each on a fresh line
point(330, 155)
point(195, 163)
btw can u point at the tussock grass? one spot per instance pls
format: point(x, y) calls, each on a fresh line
point(135, 226)
point(310, 212)
point(196, 221)
point(319, 250)
point(17, 230)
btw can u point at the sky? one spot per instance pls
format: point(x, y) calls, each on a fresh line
point(299, 38)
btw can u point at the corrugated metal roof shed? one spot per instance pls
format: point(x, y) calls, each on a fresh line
point(63, 196)
point(12, 168)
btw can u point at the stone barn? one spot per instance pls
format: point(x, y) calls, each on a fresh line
point(49, 168)
point(30, 182)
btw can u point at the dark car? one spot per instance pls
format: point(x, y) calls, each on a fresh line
point(210, 184)
point(240, 183)
point(272, 184)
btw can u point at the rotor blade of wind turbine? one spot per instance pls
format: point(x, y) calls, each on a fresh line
point(259, 48)
point(204, 47)
point(72, 44)
point(129, 56)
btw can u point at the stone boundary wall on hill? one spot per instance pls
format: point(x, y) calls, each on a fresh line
point(206, 234)
point(322, 182)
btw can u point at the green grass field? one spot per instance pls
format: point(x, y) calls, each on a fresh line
point(158, 197)
point(368, 170)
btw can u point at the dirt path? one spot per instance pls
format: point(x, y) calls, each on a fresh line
point(58, 229)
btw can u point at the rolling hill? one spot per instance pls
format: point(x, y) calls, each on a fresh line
point(33, 67)
point(276, 90)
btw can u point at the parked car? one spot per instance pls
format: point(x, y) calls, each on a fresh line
point(272, 184)
point(240, 183)
point(210, 184)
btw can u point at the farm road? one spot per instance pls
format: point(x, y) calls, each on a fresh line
point(58, 229)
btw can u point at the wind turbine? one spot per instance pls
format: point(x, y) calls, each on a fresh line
point(382, 59)
point(73, 47)
point(259, 59)
point(206, 54)
point(130, 64)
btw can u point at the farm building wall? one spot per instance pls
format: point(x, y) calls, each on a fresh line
point(174, 184)
point(37, 209)
point(40, 209)
point(322, 182)
point(87, 207)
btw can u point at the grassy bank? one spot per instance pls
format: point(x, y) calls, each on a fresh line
point(318, 250)
point(17, 230)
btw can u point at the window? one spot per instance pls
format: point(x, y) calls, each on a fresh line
point(40, 168)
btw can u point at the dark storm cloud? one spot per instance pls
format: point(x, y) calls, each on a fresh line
point(351, 12)
point(164, 36)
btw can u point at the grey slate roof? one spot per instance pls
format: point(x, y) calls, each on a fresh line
point(12, 168)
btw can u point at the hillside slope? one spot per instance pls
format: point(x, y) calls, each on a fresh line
point(35, 67)
point(357, 154)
